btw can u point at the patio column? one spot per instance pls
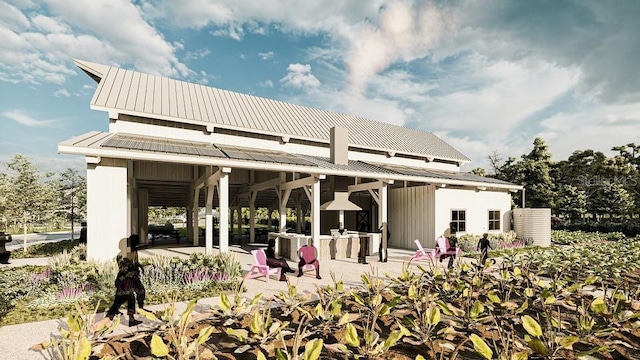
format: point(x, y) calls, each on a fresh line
point(143, 214)
point(223, 188)
point(315, 213)
point(209, 220)
point(299, 219)
point(195, 210)
point(240, 221)
point(383, 219)
point(252, 216)
point(107, 208)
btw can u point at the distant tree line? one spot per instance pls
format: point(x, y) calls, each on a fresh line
point(30, 198)
point(588, 186)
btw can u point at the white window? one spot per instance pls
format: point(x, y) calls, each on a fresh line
point(494, 220)
point(458, 221)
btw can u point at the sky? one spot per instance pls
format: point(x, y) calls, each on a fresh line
point(484, 75)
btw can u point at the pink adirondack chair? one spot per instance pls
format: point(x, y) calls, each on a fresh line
point(443, 248)
point(423, 253)
point(260, 267)
point(308, 253)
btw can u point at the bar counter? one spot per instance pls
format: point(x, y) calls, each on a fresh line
point(343, 246)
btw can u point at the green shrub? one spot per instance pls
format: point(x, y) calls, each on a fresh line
point(46, 249)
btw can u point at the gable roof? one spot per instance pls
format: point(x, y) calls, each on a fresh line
point(131, 92)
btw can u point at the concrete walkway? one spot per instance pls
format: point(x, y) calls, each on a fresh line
point(16, 340)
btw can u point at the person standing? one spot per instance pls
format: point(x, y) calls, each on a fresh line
point(83, 233)
point(484, 246)
point(128, 285)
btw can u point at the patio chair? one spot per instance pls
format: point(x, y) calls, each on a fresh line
point(423, 253)
point(260, 267)
point(308, 253)
point(443, 248)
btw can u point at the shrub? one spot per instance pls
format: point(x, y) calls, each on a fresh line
point(507, 240)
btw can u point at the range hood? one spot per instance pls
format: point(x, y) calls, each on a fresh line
point(339, 185)
point(340, 202)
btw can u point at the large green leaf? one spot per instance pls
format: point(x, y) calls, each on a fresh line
point(312, 349)
point(433, 315)
point(85, 349)
point(158, 347)
point(481, 347)
point(351, 336)
point(567, 341)
point(532, 326)
point(476, 309)
point(538, 346)
point(224, 303)
point(598, 306)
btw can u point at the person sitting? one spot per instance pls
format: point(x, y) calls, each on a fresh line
point(306, 250)
point(273, 261)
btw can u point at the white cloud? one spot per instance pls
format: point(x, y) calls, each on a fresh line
point(197, 54)
point(41, 51)
point(266, 55)
point(12, 18)
point(26, 120)
point(598, 127)
point(508, 93)
point(61, 92)
point(49, 24)
point(266, 84)
point(300, 76)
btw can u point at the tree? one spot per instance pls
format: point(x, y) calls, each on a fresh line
point(479, 171)
point(612, 199)
point(570, 201)
point(29, 196)
point(494, 160)
point(72, 196)
point(533, 171)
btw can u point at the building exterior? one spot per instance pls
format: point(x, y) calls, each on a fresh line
point(172, 143)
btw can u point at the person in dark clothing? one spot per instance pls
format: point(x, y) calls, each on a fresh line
point(453, 242)
point(383, 256)
point(364, 243)
point(484, 246)
point(83, 233)
point(273, 261)
point(128, 284)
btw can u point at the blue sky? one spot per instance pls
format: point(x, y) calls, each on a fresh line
point(484, 75)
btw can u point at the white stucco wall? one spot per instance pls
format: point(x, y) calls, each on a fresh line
point(476, 204)
point(107, 209)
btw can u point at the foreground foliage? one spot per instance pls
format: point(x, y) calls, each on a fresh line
point(39, 293)
point(537, 306)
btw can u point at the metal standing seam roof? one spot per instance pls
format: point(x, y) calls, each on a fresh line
point(128, 91)
point(159, 145)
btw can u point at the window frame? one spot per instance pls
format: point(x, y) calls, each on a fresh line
point(458, 221)
point(494, 221)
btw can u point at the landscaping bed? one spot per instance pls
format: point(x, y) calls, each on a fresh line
point(531, 308)
point(34, 293)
